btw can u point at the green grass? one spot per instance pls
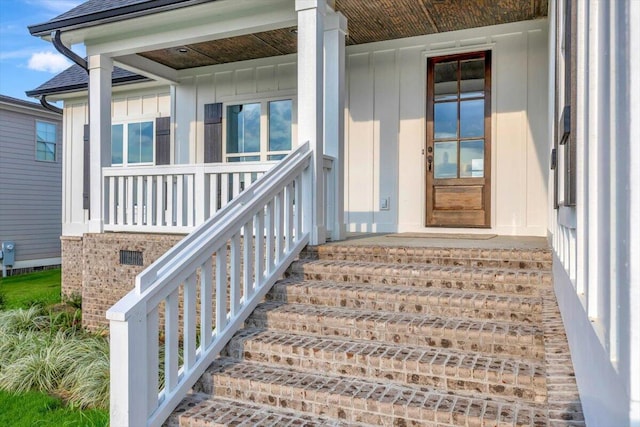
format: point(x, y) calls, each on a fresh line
point(34, 409)
point(22, 291)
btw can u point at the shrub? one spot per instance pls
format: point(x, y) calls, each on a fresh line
point(49, 352)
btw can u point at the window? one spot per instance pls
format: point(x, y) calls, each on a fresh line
point(132, 143)
point(258, 130)
point(46, 135)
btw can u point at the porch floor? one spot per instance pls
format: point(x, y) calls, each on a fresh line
point(438, 240)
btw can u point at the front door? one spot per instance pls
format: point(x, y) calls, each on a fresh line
point(459, 140)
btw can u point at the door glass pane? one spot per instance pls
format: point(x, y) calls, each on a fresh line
point(116, 144)
point(243, 159)
point(280, 125)
point(472, 78)
point(472, 118)
point(446, 160)
point(472, 159)
point(445, 120)
point(243, 128)
point(446, 80)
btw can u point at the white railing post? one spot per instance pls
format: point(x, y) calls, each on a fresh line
point(129, 384)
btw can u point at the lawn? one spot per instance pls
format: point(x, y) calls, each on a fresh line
point(35, 408)
point(24, 290)
point(40, 410)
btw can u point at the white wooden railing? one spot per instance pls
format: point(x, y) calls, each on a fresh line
point(172, 198)
point(238, 253)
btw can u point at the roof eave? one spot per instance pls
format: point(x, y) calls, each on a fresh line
point(113, 15)
point(83, 86)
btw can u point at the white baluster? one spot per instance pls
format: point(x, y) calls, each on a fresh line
point(279, 233)
point(235, 275)
point(169, 215)
point(259, 247)
point(221, 289)
point(269, 244)
point(120, 206)
point(180, 200)
point(159, 200)
point(171, 341)
point(247, 278)
point(206, 296)
point(190, 322)
point(152, 364)
point(129, 201)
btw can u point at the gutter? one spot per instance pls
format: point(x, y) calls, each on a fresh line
point(112, 15)
point(50, 107)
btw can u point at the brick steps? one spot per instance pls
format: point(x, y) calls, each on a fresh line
point(202, 410)
point(498, 281)
point(395, 298)
point(538, 259)
point(501, 338)
point(360, 401)
point(378, 335)
point(462, 372)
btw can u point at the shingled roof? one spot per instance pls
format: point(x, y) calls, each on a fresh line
point(75, 78)
point(93, 12)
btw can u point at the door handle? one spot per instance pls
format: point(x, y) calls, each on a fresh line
point(429, 161)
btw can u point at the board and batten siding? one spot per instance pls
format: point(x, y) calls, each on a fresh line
point(30, 190)
point(384, 124)
point(386, 129)
point(126, 106)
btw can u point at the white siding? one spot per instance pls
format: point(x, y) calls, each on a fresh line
point(130, 105)
point(30, 190)
point(386, 128)
point(385, 123)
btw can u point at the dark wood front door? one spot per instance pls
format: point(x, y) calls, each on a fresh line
point(459, 140)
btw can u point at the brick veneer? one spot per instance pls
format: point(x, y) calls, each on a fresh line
point(71, 265)
point(104, 279)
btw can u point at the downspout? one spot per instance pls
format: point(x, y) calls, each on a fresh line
point(50, 107)
point(60, 47)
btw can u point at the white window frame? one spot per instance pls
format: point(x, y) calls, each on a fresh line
point(125, 122)
point(55, 142)
point(264, 124)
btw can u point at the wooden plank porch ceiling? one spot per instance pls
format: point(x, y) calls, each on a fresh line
point(369, 21)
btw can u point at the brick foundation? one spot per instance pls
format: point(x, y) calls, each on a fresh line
point(91, 266)
point(72, 261)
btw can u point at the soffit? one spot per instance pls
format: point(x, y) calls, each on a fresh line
point(368, 21)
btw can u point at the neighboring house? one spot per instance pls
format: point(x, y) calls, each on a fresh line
point(516, 118)
point(30, 183)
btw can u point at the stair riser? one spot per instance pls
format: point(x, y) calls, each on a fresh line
point(462, 376)
point(498, 343)
point(435, 304)
point(444, 262)
point(525, 288)
point(482, 258)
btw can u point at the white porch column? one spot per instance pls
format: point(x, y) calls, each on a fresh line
point(100, 68)
point(334, 71)
point(310, 102)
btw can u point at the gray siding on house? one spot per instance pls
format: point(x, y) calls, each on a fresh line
point(30, 190)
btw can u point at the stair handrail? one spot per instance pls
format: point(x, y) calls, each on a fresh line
point(263, 230)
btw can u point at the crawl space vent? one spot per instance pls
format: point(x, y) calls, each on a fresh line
point(131, 257)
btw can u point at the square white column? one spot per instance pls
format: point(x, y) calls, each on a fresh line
point(334, 94)
point(100, 69)
point(311, 15)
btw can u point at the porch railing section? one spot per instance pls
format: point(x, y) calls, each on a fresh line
point(175, 198)
point(188, 304)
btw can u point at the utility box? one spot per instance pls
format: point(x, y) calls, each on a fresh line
point(8, 251)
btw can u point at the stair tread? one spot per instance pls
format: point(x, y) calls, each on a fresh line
point(210, 410)
point(525, 340)
point(350, 398)
point(354, 294)
point(450, 368)
point(409, 268)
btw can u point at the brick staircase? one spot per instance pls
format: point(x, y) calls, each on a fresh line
point(380, 335)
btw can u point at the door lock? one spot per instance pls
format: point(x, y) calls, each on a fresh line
point(429, 161)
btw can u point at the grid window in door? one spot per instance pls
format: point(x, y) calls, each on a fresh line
point(459, 116)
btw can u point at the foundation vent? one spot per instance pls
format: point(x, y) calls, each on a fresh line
point(131, 257)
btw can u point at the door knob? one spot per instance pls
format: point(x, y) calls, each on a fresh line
point(429, 161)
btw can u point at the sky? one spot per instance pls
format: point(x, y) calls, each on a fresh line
point(26, 61)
